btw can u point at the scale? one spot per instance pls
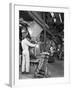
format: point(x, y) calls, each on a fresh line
point(43, 62)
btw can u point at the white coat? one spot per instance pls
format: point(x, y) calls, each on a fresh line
point(26, 59)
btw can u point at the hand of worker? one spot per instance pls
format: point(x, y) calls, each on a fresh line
point(37, 45)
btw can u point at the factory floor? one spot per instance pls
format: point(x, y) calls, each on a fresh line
point(55, 69)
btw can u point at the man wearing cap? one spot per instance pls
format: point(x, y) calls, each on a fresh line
point(25, 53)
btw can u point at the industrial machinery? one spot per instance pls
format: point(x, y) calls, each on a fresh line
point(47, 34)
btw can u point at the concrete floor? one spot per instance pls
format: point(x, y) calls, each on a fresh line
point(55, 69)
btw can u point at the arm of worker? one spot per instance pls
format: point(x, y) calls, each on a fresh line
point(30, 44)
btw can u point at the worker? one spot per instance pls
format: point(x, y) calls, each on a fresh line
point(25, 53)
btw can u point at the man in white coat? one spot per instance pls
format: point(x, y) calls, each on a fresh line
point(25, 53)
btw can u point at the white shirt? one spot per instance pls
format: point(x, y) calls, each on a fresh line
point(25, 44)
